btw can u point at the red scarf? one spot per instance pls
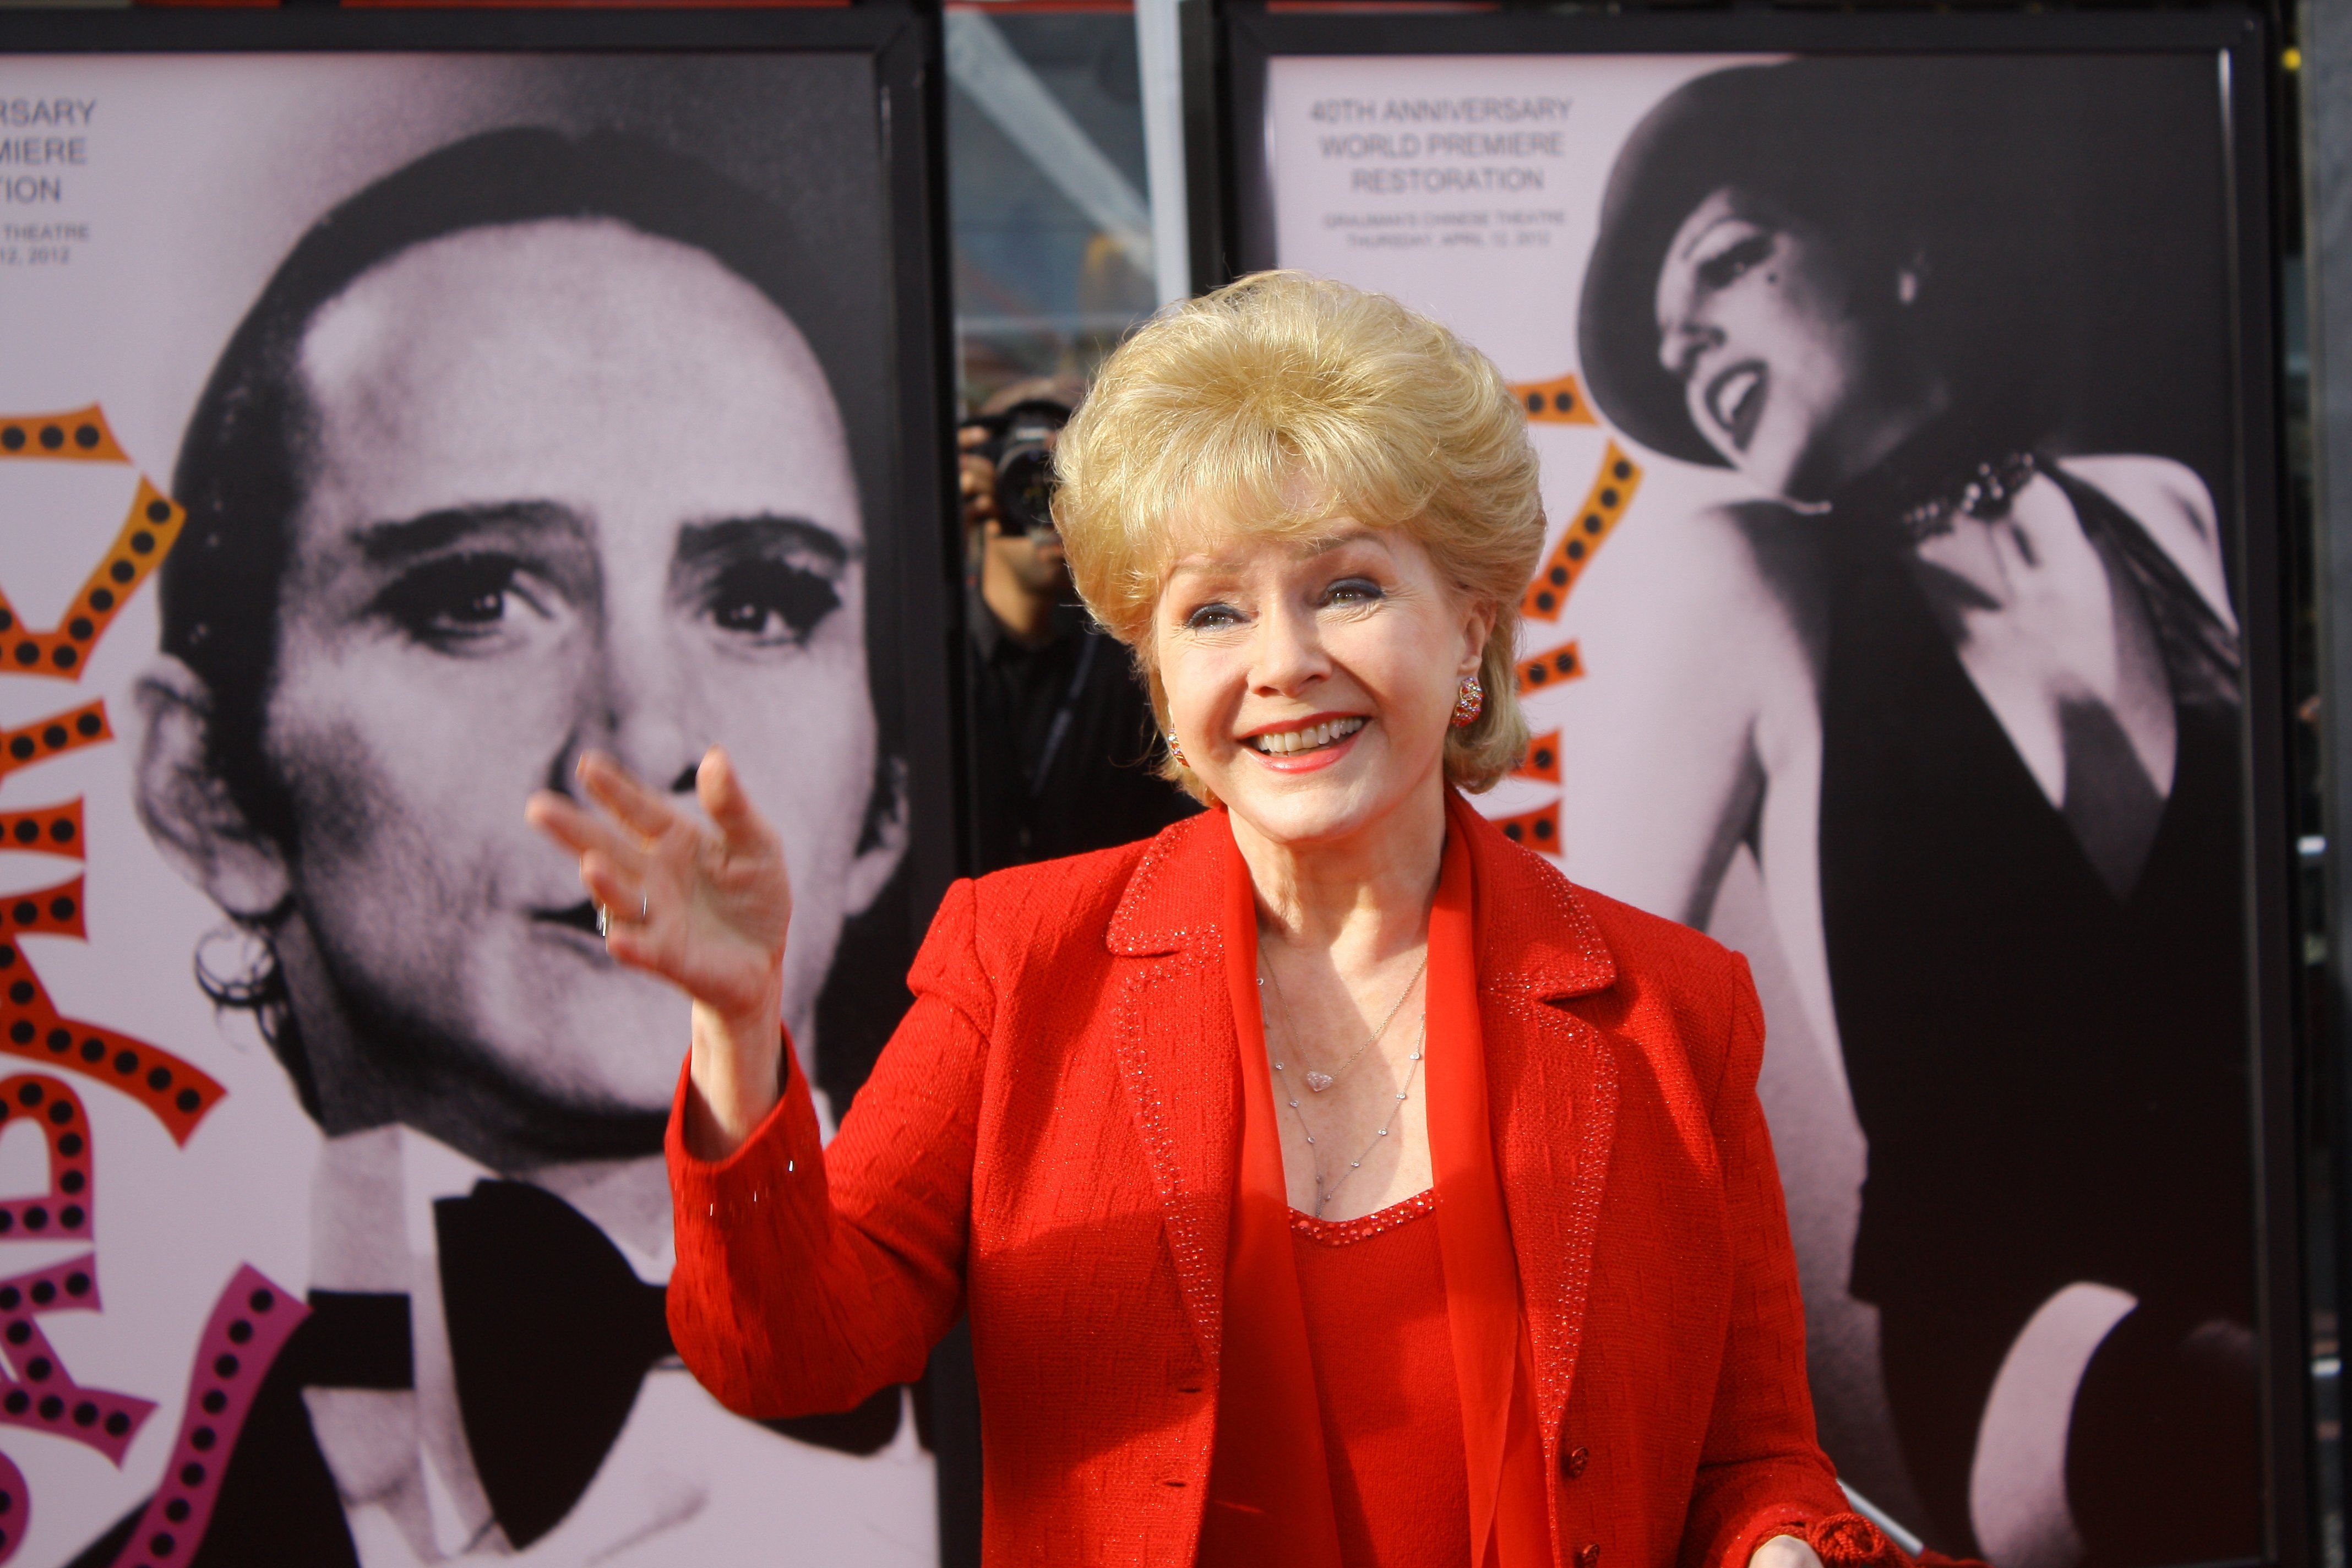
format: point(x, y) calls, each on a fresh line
point(1269, 1502)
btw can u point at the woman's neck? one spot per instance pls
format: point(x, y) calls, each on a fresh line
point(1369, 891)
point(1877, 429)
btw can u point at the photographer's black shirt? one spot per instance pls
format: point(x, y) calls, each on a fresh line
point(1064, 743)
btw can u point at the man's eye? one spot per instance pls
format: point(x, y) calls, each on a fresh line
point(453, 599)
point(1726, 265)
point(771, 600)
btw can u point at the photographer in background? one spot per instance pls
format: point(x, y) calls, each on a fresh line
point(1062, 737)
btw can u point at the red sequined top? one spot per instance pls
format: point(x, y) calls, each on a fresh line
point(1374, 1294)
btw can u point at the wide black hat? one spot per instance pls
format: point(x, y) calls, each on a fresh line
point(2071, 210)
point(1850, 132)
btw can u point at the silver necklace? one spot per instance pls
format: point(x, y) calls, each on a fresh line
point(1986, 494)
point(1324, 1195)
point(1320, 1081)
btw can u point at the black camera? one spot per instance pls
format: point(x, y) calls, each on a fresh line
point(1019, 444)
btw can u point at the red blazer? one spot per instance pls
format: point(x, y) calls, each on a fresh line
point(1051, 1140)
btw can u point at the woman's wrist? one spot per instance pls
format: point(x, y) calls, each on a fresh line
point(736, 1073)
point(1784, 1551)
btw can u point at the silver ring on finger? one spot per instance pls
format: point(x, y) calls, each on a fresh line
point(604, 921)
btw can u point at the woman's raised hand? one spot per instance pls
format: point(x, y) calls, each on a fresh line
point(706, 907)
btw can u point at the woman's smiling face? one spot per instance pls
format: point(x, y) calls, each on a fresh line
point(1311, 681)
point(1758, 320)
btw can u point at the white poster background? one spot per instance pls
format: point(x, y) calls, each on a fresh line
point(1469, 188)
point(195, 174)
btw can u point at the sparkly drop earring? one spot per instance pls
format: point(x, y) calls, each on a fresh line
point(1176, 750)
point(1469, 702)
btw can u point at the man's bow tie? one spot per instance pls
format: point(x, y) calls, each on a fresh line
point(550, 1333)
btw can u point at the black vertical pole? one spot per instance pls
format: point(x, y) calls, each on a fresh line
point(2326, 105)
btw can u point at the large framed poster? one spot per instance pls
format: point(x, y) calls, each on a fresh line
point(1902, 386)
point(393, 405)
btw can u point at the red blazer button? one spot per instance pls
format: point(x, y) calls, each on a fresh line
point(1588, 1556)
point(1573, 1461)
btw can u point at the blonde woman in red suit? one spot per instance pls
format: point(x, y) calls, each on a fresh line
point(1328, 1180)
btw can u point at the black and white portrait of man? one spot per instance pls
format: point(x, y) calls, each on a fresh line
point(565, 432)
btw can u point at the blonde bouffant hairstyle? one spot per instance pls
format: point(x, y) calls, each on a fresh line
point(1282, 401)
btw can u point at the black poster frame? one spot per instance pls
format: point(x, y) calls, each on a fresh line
point(1228, 45)
point(915, 540)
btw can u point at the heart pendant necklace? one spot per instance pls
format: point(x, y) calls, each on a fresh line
point(1317, 1082)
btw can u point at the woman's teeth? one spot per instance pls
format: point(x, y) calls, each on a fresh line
point(1281, 743)
point(1728, 400)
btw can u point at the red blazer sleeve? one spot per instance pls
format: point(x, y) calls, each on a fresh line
point(808, 1278)
point(1760, 1472)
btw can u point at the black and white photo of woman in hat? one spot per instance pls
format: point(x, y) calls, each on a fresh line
point(1964, 675)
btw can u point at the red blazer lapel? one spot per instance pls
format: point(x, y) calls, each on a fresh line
point(1551, 1082)
point(1552, 1077)
point(1174, 1028)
